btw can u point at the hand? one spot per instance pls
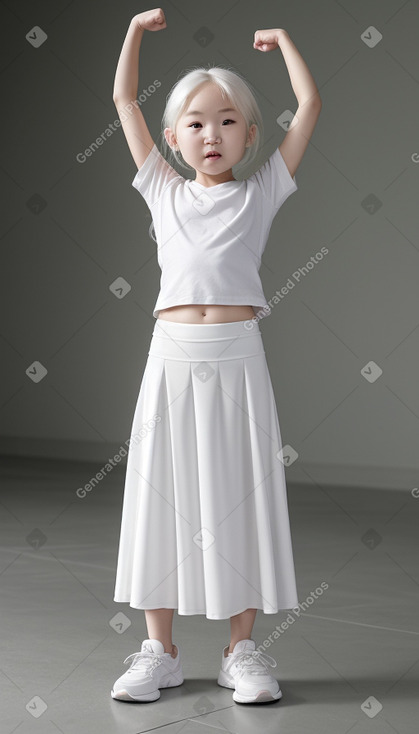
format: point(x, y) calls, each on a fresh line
point(151, 20)
point(266, 40)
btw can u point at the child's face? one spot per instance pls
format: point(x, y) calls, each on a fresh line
point(197, 134)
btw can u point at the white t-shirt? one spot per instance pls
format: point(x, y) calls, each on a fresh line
point(210, 240)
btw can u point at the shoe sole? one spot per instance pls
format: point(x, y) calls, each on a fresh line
point(124, 695)
point(260, 697)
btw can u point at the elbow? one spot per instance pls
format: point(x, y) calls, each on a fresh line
point(123, 98)
point(313, 102)
point(118, 95)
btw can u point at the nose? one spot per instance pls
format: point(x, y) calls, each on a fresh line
point(212, 139)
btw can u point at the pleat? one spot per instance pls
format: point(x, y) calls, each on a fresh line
point(205, 526)
point(276, 566)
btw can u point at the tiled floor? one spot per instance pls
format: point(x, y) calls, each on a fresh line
point(348, 661)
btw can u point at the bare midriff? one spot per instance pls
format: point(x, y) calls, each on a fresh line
point(194, 313)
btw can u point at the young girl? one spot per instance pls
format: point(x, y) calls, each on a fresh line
point(205, 524)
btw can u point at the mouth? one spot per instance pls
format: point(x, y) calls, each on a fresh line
point(213, 154)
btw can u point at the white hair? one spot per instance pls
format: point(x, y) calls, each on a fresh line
point(233, 86)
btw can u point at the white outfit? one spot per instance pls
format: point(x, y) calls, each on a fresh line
point(205, 526)
point(210, 241)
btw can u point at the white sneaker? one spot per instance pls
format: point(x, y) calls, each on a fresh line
point(151, 669)
point(245, 670)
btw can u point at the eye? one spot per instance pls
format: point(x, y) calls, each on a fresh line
point(198, 123)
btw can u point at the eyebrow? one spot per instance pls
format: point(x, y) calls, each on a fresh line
point(225, 109)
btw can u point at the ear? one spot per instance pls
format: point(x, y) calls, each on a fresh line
point(251, 135)
point(170, 137)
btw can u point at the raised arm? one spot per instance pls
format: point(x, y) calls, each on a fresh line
point(302, 126)
point(125, 88)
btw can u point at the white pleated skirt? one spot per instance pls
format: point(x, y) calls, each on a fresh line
point(205, 526)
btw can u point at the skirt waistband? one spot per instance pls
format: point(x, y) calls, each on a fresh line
point(198, 342)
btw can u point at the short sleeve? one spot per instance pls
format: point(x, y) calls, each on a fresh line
point(275, 180)
point(153, 176)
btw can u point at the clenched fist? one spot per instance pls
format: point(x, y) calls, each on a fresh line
point(266, 40)
point(151, 20)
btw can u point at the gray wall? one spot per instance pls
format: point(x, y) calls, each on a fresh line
point(70, 229)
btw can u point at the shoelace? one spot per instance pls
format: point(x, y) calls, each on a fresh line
point(146, 661)
point(254, 658)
